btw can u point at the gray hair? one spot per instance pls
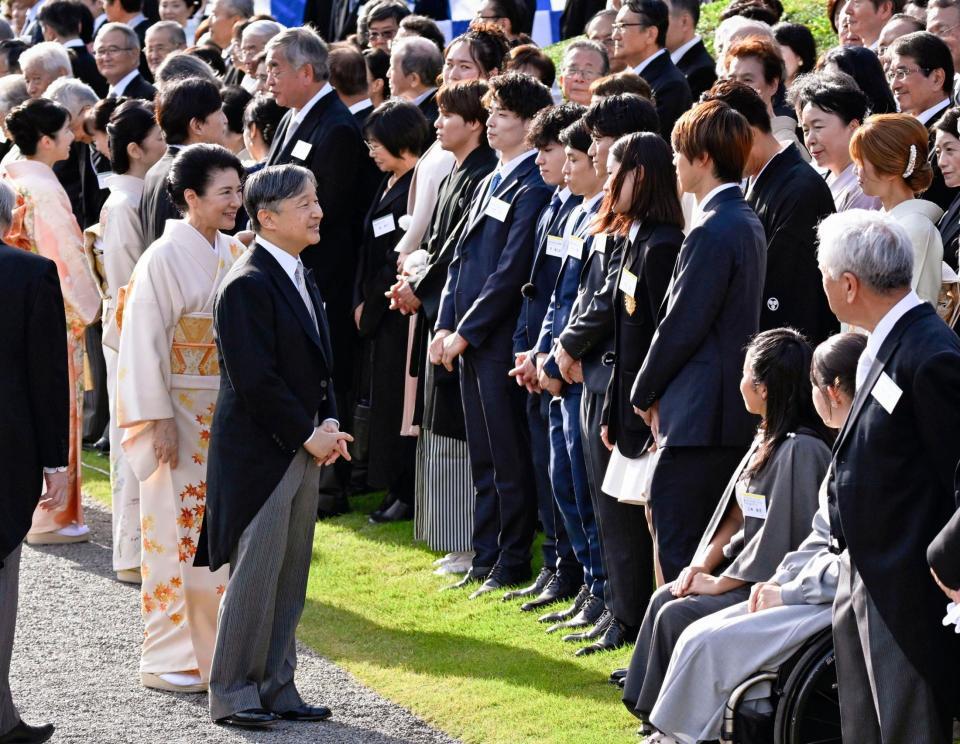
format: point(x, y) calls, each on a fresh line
point(239, 7)
point(303, 46)
point(6, 31)
point(50, 55)
point(74, 95)
point(131, 35)
point(269, 186)
point(588, 46)
point(174, 31)
point(868, 244)
point(418, 55)
point(263, 29)
point(8, 199)
point(180, 66)
point(13, 92)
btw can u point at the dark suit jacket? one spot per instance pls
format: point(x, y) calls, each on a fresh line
point(949, 227)
point(699, 68)
point(140, 88)
point(275, 381)
point(695, 361)
point(481, 299)
point(791, 199)
point(670, 89)
point(939, 193)
point(943, 554)
point(891, 488)
point(430, 110)
point(575, 15)
point(155, 204)
point(34, 391)
point(362, 114)
point(85, 69)
point(650, 258)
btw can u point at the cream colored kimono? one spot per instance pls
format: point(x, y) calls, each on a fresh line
point(168, 368)
point(919, 218)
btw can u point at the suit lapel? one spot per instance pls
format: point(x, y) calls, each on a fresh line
point(321, 313)
point(504, 191)
point(269, 264)
point(278, 139)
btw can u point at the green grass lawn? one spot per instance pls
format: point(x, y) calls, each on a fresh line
point(480, 670)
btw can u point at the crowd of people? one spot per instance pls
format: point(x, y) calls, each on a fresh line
point(690, 316)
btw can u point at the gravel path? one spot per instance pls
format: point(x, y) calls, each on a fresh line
point(76, 658)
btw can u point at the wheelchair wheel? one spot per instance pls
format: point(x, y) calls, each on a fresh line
point(809, 709)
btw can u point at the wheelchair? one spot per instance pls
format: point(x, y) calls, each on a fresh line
point(803, 707)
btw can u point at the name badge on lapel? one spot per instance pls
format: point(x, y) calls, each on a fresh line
point(383, 225)
point(886, 392)
point(599, 244)
point(575, 248)
point(554, 246)
point(301, 150)
point(628, 282)
point(754, 505)
point(498, 209)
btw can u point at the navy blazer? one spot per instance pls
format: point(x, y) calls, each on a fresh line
point(481, 299)
point(671, 91)
point(949, 227)
point(699, 68)
point(695, 361)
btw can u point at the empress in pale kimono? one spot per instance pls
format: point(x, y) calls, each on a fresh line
point(167, 384)
point(44, 223)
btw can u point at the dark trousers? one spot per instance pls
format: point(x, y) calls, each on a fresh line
point(624, 536)
point(504, 517)
point(571, 486)
point(9, 592)
point(96, 406)
point(686, 487)
point(558, 554)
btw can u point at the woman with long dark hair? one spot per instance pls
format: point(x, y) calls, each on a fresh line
point(863, 66)
point(764, 513)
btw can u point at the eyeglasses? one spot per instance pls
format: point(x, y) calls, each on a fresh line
point(385, 35)
point(578, 72)
point(110, 51)
point(902, 73)
point(620, 26)
point(373, 146)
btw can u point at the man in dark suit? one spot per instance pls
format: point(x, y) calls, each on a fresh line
point(686, 47)
point(64, 21)
point(477, 318)
point(117, 51)
point(131, 14)
point(274, 425)
point(688, 390)
point(891, 489)
point(33, 424)
point(188, 112)
point(348, 76)
point(415, 64)
point(791, 199)
point(640, 36)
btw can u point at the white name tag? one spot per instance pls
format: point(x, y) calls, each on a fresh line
point(301, 150)
point(754, 505)
point(599, 243)
point(498, 209)
point(554, 246)
point(383, 225)
point(628, 282)
point(102, 179)
point(575, 248)
point(886, 392)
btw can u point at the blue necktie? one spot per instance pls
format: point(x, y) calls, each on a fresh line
point(494, 183)
point(549, 214)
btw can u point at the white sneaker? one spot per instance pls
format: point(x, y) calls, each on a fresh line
point(74, 530)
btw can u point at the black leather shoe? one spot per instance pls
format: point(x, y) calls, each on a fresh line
point(558, 589)
point(502, 577)
point(617, 675)
point(307, 713)
point(568, 612)
point(472, 576)
point(543, 579)
point(615, 636)
point(102, 445)
point(252, 718)
point(598, 629)
point(589, 613)
point(397, 512)
point(24, 733)
point(334, 505)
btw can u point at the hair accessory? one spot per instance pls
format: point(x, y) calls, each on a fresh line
point(912, 162)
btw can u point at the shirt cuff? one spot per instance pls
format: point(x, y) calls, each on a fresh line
point(61, 469)
point(317, 429)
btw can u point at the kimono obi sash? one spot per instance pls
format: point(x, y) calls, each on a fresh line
point(193, 353)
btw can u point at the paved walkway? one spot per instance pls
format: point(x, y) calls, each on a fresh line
point(76, 661)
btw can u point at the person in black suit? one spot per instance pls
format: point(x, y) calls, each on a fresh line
point(188, 111)
point(131, 13)
point(640, 36)
point(117, 51)
point(791, 199)
point(686, 47)
point(415, 64)
point(477, 318)
point(687, 390)
point(64, 21)
point(891, 489)
point(275, 423)
point(576, 13)
point(163, 39)
point(348, 76)
point(33, 424)
point(947, 152)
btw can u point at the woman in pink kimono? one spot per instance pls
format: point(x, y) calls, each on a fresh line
point(167, 384)
point(43, 223)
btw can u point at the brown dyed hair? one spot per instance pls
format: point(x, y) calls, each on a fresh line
point(716, 130)
point(465, 99)
point(654, 196)
point(765, 50)
point(884, 141)
point(530, 55)
point(621, 82)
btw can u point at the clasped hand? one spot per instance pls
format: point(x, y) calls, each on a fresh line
point(525, 372)
point(446, 347)
point(328, 444)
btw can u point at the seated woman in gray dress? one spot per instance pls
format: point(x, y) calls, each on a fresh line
point(717, 653)
point(764, 513)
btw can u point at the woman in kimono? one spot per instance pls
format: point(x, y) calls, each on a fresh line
point(890, 151)
point(715, 654)
point(764, 513)
point(167, 384)
point(135, 144)
point(396, 133)
point(43, 222)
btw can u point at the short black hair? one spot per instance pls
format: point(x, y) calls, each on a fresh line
point(530, 55)
point(518, 93)
point(378, 62)
point(194, 167)
point(549, 122)
point(12, 49)
point(211, 56)
point(576, 136)
point(130, 6)
point(36, 118)
point(235, 100)
point(65, 18)
point(691, 7)
point(863, 66)
point(99, 116)
point(948, 122)
point(130, 122)
point(930, 53)
point(266, 113)
point(348, 70)
point(743, 99)
point(399, 126)
point(801, 42)
point(615, 116)
point(656, 13)
point(517, 14)
point(836, 93)
point(426, 27)
point(182, 101)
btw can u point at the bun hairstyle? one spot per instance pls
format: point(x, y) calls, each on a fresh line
point(30, 121)
point(895, 145)
point(488, 45)
point(194, 167)
point(130, 122)
point(835, 362)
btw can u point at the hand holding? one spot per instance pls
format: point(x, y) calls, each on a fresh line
point(327, 444)
point(576, 371)
point(165, 442)
point(681, 587)
point(453, 346)
point(525, 373)
point(564, 362)
point(765, 595)
point(406, 300)
point(436, 347)
point(56, 496)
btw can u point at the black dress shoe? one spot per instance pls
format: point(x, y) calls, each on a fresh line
point(24, 733)
point(543, 578)
point(307, 713)
point(397, 512)
point(472, 576)
point(559, 589)
point(589, 613)
point(251, 718)
point(102, 445)
point(333, 505)
point(502, 577)
point(617, 675)
point(598, 629)
point(565, 614)
point(616, 636)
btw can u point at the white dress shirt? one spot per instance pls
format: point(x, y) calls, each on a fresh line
point(643, 65)
point(505, 169)
point(875, 340)
point(924, 116)
point(122, 83)
point(677, 54)
point(361, 105)
point(699, 213)
point(301, 114)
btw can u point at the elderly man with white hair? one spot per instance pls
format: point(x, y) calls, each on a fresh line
point(117, 51)
point(415, 65)
point(42, 64)
point(253, 41)
point(891, 488)
point(163, 39)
